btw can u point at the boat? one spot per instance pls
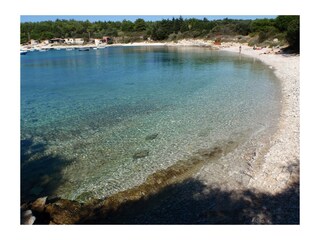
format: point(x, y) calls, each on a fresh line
point(83, 49)
point(69, 49)
point(22, 52)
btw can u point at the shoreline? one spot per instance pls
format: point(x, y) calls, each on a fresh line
point(281, 162)
point(278, 166)
point(184, 42)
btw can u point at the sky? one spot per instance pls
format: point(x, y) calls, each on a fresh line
point(94, 18)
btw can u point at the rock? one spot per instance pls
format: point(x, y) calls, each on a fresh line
point(141, 154)
point(52, 199)
point(27, 214)
point(39, 204)
point(66, 212)
point(30, 220)
point(27, 218)
point(84, 197)
point(152, 136)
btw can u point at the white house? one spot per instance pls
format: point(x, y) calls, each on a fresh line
point(34, 42)
point(45, 41)
point(97, 41)
point(69, 40)
point(78, 41)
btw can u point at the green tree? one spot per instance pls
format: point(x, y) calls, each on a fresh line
point(282, 22)
point(140, 25)
point(293, 34)
point(290, 24)
point(127, 26)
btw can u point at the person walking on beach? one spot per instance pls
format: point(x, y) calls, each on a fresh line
point(239, 49)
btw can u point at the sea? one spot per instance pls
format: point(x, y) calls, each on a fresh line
point(97, 122)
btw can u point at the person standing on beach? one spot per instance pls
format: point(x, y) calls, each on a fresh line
point(239, 49)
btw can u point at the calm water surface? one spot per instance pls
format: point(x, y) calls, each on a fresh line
point(98, 122)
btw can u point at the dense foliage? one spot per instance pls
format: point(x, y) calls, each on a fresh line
point(291, 26)
point(283, 28)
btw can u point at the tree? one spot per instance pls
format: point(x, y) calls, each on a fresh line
point(290, 24)
point(127, 26)
point(293, 34)
point(140, 25)
point(282, 22)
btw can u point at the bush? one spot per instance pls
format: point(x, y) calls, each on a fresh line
point(291, 26)
point(293, 34)
point(262, 37)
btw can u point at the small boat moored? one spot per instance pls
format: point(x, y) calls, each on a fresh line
point(83, 49)
point(22, 52)
point(43, 50)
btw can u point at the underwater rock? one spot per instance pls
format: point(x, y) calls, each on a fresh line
point(85, 196)
point(152, 136)
point(141, 154)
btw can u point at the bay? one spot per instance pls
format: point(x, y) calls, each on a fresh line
point(99, 122)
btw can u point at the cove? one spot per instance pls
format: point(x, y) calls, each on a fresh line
point(99, 122)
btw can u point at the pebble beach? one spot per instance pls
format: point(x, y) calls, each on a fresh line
point(281, 162)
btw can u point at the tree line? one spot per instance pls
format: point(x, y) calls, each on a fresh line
point(286, 28)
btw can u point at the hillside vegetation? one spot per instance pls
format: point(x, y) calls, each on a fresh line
point(279, 31)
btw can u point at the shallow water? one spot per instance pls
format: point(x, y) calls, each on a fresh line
point(98, 122)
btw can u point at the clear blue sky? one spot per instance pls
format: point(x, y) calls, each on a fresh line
point(94, 18)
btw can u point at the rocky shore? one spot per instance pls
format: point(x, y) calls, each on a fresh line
point(202, 190)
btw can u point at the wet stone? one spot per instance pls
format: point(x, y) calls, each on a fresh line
point(52, 199)
point(85, 196)
point(152, 136)
point(65, 212)
point(141, 154)
point(39, 204)
point(27, 218)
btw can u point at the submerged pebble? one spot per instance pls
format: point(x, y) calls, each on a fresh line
point(141, 154)
point(152, 136)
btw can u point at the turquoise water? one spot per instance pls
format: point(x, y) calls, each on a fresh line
point(98, 122)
